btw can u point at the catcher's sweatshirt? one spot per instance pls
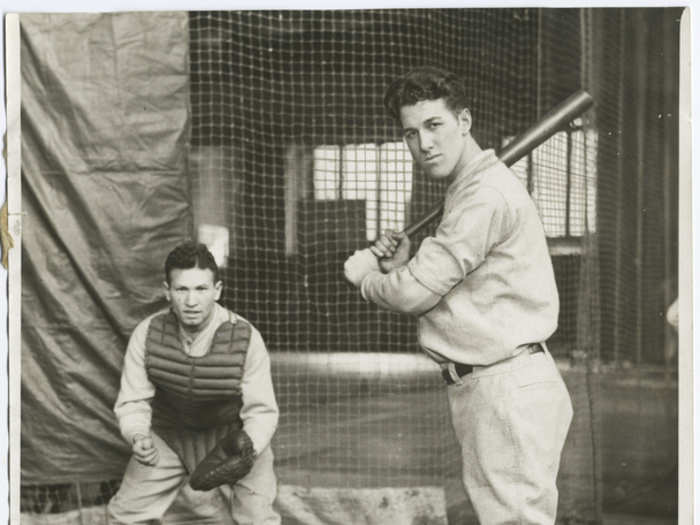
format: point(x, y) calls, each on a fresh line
point(259, 413)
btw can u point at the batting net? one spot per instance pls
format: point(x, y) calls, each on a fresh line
point(294, 165)
point(289, 126)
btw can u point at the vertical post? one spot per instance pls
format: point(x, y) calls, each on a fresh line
point(539, 67)
point(79, 495)
point(567, 216)
point(378, 186)
point(619, 212)
point(291, 198)
point(640, 121)
point(668, 154)
point(687, 142)
point(589, 262)
point(14, 201)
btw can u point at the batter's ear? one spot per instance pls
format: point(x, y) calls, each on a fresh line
point(166, 289)
point(465, 121)
point(218, 286)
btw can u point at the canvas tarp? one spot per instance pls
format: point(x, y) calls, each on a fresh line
point(105, 131)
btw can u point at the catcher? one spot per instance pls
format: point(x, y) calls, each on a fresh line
point(484, 292)
point(196, 403)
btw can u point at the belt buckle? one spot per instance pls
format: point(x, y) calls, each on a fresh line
point(460, 370)
point(535, 348)
point(446, 376)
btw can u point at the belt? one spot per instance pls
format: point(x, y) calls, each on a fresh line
point(462, 370)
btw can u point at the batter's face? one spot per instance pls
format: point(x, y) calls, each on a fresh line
point(436, 136)
point(192, 294)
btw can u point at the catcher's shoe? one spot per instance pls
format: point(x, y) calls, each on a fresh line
point(230, 460)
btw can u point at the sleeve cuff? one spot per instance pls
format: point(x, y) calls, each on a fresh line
point(366, 282)
point(130, 433)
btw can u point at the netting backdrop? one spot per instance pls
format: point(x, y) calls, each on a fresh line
point(294, 164)
point(276, 95)
point(292, 103)
point(287, 109)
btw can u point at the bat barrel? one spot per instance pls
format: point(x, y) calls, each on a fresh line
point(557, 118)
point(553, 121)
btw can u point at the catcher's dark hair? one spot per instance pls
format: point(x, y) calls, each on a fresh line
point(425, 83)
point(190, 255)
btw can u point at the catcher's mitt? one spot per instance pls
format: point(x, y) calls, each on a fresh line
point(230, 460)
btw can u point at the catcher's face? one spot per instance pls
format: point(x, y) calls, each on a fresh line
point(192, 294)
point(436, 137)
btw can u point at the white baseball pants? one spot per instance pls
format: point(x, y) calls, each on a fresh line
point(146, 493)
point(511, 420)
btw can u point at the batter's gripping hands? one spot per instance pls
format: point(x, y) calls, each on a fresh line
point(229, 461)
point(392, 250)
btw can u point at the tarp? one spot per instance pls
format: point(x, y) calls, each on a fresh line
point(105, 131)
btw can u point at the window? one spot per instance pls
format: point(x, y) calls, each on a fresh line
point(561, 176)
point(381, 175)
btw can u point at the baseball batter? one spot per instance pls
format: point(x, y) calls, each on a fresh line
point(484, 292)
point(197, 405)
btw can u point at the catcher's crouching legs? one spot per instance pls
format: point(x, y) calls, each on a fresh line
point(253, 496)
point(146, 492)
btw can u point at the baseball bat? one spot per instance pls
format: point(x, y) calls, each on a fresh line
point(554, 120)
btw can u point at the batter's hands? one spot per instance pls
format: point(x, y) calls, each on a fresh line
point(392, 250)
point(144, 450)
point(359, 264)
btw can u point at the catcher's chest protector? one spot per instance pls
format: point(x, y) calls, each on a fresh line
point(198, 399)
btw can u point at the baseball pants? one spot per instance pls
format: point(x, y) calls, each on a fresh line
point(146, 493)
point(511, 420)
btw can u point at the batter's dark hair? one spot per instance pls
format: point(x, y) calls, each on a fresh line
point(425, 83)
point(190, 255)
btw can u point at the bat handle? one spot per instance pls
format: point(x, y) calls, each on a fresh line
point(416, 226)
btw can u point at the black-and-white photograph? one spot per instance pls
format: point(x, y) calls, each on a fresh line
point(388, 266)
